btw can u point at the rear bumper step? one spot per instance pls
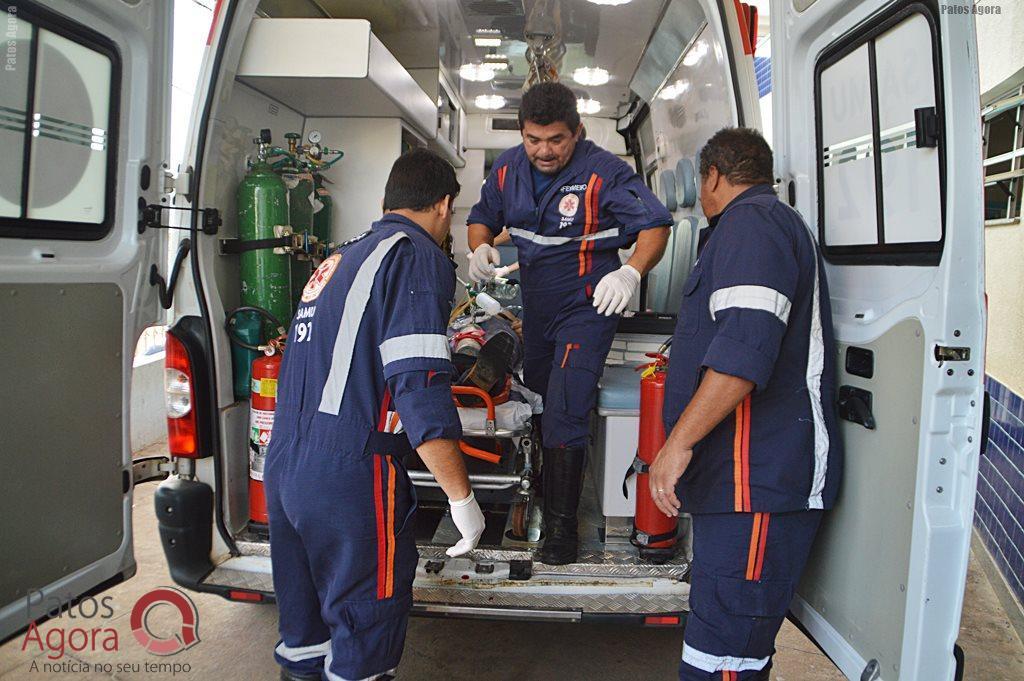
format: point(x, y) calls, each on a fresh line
point(493, 584)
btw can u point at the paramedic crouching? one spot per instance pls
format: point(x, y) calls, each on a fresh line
point(366, 377)
point(753, 452)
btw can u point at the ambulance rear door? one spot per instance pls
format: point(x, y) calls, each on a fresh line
point(83, 90)
point(878, 145)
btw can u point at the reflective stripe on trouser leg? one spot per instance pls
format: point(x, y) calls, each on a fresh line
point(304, 652)
point(745, 568)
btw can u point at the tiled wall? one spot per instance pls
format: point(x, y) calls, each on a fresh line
point(999, 509)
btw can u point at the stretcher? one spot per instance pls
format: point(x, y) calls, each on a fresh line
point(501, 459)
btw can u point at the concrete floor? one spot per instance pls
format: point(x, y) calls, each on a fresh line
point(237, 640)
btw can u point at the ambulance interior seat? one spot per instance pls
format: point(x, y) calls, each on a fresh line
point(680, 255)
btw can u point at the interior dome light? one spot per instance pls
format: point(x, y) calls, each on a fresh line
point(476, 72)
point(490, 101)
point(590, 76)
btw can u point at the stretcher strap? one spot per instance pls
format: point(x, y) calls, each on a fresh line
point(395, 444)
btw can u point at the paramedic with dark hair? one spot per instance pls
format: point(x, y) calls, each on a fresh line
point(366, 378)
point(753, 453)
point(569, 207)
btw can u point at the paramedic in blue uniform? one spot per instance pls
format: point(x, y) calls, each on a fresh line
point(366, 378)
point(569, 207)
point(753, 452)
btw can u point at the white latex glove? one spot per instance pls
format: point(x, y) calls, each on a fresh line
point(469, 520)
point(482, 262)
point(615, 290)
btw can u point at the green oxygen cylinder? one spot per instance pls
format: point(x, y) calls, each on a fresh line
point(301, 199)
point(262, 204)
point(322, 217)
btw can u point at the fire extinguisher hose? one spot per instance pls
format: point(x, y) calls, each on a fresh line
point(230, 327)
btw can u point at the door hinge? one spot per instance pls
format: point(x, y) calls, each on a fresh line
point(147, 468)
point(150, 217)
point(180, 183)
point(945, 353)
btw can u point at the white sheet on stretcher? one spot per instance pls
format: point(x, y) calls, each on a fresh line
point(512, 415)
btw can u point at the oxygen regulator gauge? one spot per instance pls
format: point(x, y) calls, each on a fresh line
point(315, 137)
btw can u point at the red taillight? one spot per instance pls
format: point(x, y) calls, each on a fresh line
point(662, 620)
point(179, 399)
point(251, 596)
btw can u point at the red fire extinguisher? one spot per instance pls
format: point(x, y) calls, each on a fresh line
point(265, 370)
point(654, 533)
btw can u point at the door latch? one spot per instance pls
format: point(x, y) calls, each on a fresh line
point(147, 468)
point(855, 406)
point(945, 353)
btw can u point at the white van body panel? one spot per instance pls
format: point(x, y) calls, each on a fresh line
point(112, 274)
point(884, 587)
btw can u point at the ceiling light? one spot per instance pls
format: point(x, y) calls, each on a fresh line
point(497, 62)
point(487, 37)
point(590, 76)
point(588, 106)
point(476, 72)
point(696, 53)
point(490, 101)
point(610, 2)
point(674, 90)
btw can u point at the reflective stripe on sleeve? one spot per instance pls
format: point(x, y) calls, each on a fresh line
point(351, 318)
point(714, 663)
point(301, 653)
point(559, 240)
point(751, 298)
point(414, 346)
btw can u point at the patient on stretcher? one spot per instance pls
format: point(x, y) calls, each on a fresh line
point(487, 352)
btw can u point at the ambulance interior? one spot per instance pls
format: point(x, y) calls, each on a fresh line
point(655, 79)
point(374, 79)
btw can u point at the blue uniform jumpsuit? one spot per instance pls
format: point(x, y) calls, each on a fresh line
point(755, 306)
point(367, 343)
point(568, 236)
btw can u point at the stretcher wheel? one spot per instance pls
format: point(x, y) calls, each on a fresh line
point(520, 520)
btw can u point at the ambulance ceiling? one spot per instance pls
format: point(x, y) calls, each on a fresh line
point(597, 34)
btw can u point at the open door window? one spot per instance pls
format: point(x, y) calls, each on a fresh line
point(82, 126)
point(891, 183)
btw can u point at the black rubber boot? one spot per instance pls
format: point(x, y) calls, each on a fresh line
point(563, 481)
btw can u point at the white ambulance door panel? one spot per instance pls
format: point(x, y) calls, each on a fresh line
point(878, 146)
point(82, 127)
